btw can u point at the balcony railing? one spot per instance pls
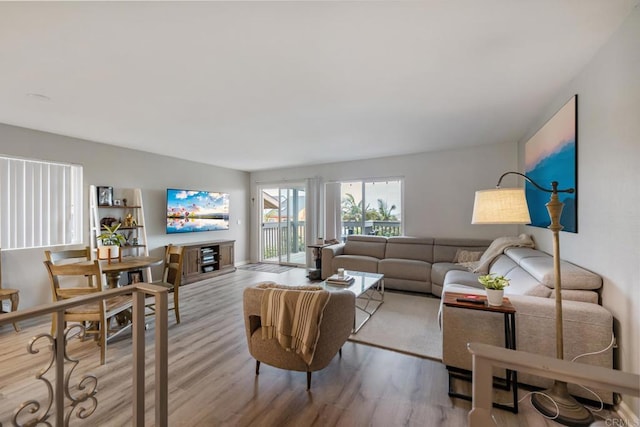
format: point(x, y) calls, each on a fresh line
point(59, 411)
point(373, 228)
point(291, 236)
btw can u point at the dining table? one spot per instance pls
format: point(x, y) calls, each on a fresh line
point(113, 269)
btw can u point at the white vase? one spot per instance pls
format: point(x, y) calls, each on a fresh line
point(106, 252)
point(494, 296)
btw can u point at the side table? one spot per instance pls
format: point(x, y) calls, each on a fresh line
point(451, 299)
point(317, 257)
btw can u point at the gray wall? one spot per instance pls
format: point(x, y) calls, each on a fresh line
point(118, 167)
point(608, 91)
point(439, 187)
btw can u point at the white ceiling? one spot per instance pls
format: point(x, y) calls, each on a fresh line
point(261, 85)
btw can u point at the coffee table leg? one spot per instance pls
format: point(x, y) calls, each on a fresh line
point(370, 293)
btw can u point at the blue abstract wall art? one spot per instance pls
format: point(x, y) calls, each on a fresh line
point(551, 155)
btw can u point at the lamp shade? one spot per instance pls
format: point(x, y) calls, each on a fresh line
point(501, 206)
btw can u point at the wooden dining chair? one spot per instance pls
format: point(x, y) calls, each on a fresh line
point(9, 294)
point(100, 313)
point(69, 256)
point(171, 277)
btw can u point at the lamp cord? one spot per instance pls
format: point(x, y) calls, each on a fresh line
point(592, 409)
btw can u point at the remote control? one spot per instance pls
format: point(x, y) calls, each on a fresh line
point(471, 300)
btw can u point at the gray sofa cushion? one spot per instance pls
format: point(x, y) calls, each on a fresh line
point(416, 248)
point(405, 269)
point(464, 278)
point(440, 269)
point(444, 249)
point(356, 262)
point(540, 266)
point(407, 285)
point(521, 280)
point(371, 246)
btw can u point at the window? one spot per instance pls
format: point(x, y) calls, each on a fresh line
point(40, 203)
point(371, 207)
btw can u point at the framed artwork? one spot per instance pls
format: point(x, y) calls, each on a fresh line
point(135, 276)
point(551, 155)
point(105, 196)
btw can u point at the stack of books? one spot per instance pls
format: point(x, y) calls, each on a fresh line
point(340, 280)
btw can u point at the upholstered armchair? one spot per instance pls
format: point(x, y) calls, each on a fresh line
point(335, 327)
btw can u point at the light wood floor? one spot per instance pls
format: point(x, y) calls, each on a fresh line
point(212, 380)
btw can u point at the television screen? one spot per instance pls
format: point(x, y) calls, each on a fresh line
point(189, 211)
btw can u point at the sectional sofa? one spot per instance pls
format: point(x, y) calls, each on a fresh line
point(430, 265)
point(416, 264)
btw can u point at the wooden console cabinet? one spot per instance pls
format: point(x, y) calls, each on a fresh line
point(204, 260)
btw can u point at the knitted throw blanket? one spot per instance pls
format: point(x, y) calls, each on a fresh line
point(293, 317)
point(498, 246)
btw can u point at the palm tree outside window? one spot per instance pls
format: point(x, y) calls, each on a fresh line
point(372, 207)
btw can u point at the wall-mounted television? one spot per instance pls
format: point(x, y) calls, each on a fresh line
point(189, 211)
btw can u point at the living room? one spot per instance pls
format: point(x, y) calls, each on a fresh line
point(438, 184)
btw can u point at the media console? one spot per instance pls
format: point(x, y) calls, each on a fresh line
point(204, 260)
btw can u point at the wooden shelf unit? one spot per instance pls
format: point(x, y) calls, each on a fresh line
point(203, 260)
point(135, 233)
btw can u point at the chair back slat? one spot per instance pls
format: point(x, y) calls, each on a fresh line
point(56, 271)
point(69, 256)
point(173, 260)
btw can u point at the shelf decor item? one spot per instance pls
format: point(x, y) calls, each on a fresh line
point(111, 241)
point(105, 196)
point(509, 206)
point(494, 285)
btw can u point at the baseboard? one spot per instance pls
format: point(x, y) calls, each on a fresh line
point(626, 414)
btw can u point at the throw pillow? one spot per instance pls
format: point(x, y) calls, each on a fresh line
point(467, 256)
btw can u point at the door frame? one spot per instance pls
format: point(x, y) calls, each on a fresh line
point(280, 186)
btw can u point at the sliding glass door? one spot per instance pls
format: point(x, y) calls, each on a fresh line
point(282, 234)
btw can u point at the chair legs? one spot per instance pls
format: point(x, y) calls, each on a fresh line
point(103, 331)
point(176, 306)
point(15, 298)
point(308, 375)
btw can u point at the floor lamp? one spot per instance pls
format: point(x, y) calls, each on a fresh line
point(509, 206)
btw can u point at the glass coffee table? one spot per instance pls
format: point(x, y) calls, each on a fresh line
point(369, 291)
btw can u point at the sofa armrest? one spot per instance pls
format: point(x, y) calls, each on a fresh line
point(328, 253)
point(588, 328)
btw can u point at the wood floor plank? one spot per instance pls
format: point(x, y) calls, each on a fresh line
point(212, 379)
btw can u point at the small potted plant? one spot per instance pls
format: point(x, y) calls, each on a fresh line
point(494, 285)
point(111, 242)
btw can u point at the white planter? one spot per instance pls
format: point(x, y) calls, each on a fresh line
point(494, 296)
point(106, 252)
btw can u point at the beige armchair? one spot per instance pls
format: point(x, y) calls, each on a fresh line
point(335, 328)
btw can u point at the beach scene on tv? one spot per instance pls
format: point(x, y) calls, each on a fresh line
point(189, 211)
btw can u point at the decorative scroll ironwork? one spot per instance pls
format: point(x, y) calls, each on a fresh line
point(78, 401)
point(88, 382)
point(33, 406)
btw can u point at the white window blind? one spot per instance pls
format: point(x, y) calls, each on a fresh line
point(40, 203)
